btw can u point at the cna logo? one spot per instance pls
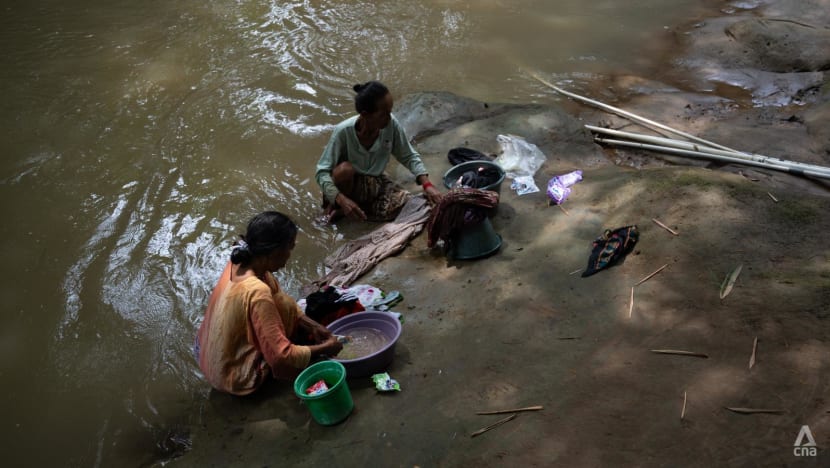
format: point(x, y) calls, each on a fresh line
point(802, 447)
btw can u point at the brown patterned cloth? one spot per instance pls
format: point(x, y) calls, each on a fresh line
point(460, 207)
point(378, 196)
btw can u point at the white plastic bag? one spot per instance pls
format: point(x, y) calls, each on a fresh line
point(518, 158)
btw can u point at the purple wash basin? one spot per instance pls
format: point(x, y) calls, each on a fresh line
point(379, 360)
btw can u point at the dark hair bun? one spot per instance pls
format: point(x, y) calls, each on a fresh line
point(369, 94)
point(267, 231)
point(241, 256)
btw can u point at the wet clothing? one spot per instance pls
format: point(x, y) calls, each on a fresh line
point(354, 258)
point(244, 335)
point(459, 208)
point(327, 305)
point(344, 145)
point(478, 177)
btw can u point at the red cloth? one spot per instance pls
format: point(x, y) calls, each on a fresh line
point(342, 312)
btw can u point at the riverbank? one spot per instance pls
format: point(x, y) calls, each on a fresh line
point(521, 329)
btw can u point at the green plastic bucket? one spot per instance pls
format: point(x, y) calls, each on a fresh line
point(476, 241)
point(333, 406)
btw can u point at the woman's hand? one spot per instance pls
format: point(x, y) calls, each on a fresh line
point(433, 195)
point(318, 332)
point(349, 207)
point(331, 346)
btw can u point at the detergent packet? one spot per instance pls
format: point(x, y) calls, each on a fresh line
point(557, 192)
point(559, 186)
point(318, 388)
point(570, 178)
point(384, 383)
point(524, 185)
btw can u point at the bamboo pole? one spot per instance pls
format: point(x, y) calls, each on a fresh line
point(634, 117)
point(517, 410)
point(755, 410)
point(680, 352)
point(492, 426)
point(702, 155)
point(694, 147)
point(657, 222)
point(734, 155)
point(684, 145)
point(652, 274)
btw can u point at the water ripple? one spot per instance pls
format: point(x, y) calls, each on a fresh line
point(74, 280)
point(159, 129)
point(270, 107)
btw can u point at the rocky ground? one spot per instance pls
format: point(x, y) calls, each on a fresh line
point(520, 329)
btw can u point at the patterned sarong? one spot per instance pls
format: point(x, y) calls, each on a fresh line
point(378, 196)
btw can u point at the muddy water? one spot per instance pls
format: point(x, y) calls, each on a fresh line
point(363, 342)
point(139, 137)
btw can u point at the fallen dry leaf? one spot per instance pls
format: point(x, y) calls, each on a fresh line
point(726, 286)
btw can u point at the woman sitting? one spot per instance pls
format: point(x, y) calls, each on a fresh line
point(249, 323)
point(350, 171)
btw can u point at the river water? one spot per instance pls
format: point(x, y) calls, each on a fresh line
point(139, 137)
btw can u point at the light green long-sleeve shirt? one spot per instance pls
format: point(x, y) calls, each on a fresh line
point(345, 146)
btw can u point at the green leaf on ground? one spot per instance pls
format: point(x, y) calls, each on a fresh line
point(729, 281)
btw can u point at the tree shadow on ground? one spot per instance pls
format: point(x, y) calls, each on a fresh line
point(521, 328)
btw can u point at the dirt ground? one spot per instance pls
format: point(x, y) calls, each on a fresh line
point(518, 329)
point(523, 328)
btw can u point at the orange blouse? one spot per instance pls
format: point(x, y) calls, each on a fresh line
point(245, 333)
